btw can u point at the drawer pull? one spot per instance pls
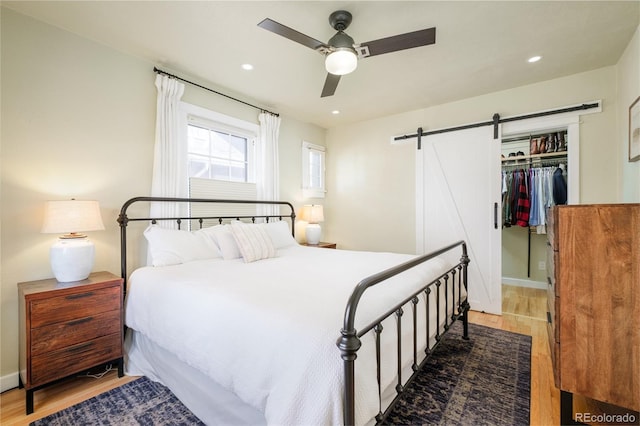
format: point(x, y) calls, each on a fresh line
point(81, 347)
point(79, 321)
point(79, 296)
point(549, 281)
point(549, 317)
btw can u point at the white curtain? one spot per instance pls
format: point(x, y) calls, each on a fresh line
point(170, 153)
point(267, 173)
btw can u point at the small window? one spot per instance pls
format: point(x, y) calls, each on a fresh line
point(220, 160)
point(218, 153)
point(313, 170)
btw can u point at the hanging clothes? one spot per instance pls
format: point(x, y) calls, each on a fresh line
point(526, 195)
point(542, 202)
point(522, 201)
point(559, 186)
point(534, 213)
point(507, 179)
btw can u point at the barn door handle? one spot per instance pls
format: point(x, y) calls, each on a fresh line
point(495, 215)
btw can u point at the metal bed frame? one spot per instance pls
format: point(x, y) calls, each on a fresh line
point(349, 341)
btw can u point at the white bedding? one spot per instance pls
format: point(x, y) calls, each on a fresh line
point(267, 330)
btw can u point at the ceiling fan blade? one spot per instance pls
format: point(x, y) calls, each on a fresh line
point(291, 34)
point(330, 85)
point(399, 42)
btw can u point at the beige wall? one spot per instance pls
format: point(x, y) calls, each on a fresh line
point(362, 161)
point(371, 185)
point(628, 78)
point(514, 255)
point(78, 120)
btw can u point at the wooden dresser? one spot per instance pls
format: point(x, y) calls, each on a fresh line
point(594, 303)
point(67, 328)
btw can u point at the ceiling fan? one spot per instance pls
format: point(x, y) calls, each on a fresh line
point(341, 52)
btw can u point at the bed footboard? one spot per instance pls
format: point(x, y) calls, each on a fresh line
point(350, 341)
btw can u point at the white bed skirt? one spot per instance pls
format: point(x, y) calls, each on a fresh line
point(194, 389)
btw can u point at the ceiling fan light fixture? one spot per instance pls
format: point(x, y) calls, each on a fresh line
point(341, 61)
point(341, 53)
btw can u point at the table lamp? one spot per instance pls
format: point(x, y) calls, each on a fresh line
point(313, 214)
point(72, 255)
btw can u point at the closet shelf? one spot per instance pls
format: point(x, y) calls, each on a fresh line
point(533, 156)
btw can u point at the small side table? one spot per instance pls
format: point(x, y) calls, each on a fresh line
point(67, 328)
point(321, 244)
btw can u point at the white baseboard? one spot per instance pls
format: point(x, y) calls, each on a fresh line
point(9, 381)
point(519, 282)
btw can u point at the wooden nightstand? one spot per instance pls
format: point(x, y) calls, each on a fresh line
point(67, 328)
point(321, 244)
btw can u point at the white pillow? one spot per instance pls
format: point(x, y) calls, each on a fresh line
point(226, 242)
point(172, 246)
point(280, 234)
point(253, 241)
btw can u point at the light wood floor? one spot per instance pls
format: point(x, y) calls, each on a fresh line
point(524, 312)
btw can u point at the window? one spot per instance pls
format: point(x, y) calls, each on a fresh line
point(313, 170)
point(220, 154)
point(216, 152)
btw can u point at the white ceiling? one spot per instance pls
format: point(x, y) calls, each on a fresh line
point(481, 47)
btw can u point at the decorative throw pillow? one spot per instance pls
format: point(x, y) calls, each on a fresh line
point(253, 241)
point(172, 246)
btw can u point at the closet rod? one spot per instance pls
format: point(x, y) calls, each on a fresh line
point(532, 165)
point(159, 71)
point(497, 120)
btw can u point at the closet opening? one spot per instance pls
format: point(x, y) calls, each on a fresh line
point(534, 177)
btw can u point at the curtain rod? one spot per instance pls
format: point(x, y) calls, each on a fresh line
point(496, 120)
point(159, 71)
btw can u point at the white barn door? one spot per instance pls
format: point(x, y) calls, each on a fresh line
point(458, 197)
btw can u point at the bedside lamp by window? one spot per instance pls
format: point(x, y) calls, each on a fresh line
point(313, 214)
point(73, 254)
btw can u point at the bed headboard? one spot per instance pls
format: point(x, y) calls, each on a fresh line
point(244, 210)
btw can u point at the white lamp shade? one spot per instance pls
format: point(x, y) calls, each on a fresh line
point(71, 216)
point(342, 61)
point(312, 213)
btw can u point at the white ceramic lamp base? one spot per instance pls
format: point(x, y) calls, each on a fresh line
point(72, 259)
point(312, 233)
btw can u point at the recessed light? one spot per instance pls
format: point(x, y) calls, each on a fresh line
point(534, 59)
point(247, 67)
point(335, 112)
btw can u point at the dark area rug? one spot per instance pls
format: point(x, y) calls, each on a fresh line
point(485, 380)
point(140, 402)
point(481, 381)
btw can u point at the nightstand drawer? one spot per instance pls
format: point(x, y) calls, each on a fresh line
point(56, 336)
point(75, 306)
point(72, 359)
